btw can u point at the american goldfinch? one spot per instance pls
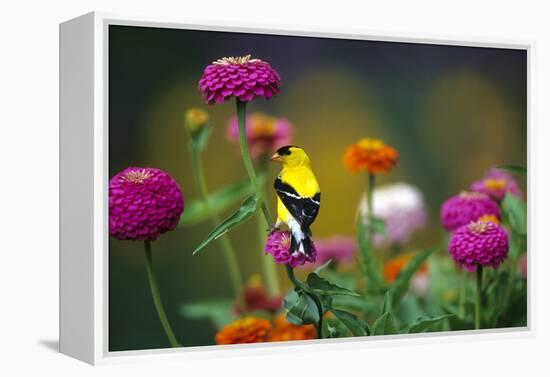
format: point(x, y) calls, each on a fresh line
point(299, 196)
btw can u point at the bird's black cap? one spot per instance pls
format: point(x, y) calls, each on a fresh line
point(285, 150)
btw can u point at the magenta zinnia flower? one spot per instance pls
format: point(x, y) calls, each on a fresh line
point(466, 207)
point(338, 248)
point(496, 183)
point(479, 243)
point(278, 245)
point(143, 204)
point(241, 77)
point(264, 133)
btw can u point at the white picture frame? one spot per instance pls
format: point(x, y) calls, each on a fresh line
point(84, 192)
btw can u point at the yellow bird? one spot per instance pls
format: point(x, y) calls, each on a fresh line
point(299, 196)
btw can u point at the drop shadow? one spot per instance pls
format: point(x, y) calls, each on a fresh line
point(52, 345)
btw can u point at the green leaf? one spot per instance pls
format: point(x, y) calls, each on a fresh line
point(325, 287)
point(197, 211)
point(513, 169)
point(516, 213)
point(374, 277)
point(384, 325)
point(387, 303)
point(323, 267)
point(409, 309)
point(401, 283)
point(247, 209)
point(219, 311)
point(424, 323)
point(301, 308)
point(355, 303)
point(354, 324)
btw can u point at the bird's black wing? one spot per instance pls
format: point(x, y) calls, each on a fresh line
point(303, 209)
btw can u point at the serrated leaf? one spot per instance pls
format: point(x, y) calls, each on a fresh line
point(401, 283)
point(301, 309)
point(197, 211)
point(219, 311)
point(247, 209)
point(424, 323)
point(325, 287)
point(516, 213)
point(384, 325)
point(513, 169)
point(352, 322)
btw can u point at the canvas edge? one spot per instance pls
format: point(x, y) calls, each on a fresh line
point(76, 189)
point(101, 354)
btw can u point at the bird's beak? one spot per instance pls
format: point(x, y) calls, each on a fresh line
point(276, 157)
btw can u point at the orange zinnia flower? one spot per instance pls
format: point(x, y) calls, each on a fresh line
point(284, 330)
point(489, 218)
point(393, 267)
point(244, 330)
point(371, 155)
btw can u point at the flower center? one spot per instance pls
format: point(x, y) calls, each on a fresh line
point(285, 241)
point(479, 227)
point(495, 184)
point(371, 144)
point(489, 219)
point(238, 60)
point(262, 126)
point(137, 176)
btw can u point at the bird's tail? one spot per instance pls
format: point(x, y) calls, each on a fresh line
point(300, 239)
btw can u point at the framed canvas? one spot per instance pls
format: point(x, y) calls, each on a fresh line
point(230, 189)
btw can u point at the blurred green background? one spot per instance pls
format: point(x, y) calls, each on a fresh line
point(451, 112)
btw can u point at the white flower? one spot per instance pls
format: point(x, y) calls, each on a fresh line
point(403, 209)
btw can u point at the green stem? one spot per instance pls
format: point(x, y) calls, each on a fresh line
point(227, 247)
point(247, 160)
point(373, 278)
point(156, 296)
point(479, 285)
point(302, 286)
point(370, 195)
point(513, 265)
point(269, 270)
point(462, 294)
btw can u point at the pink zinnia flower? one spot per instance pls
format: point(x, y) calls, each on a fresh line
point(340, 249)
point(496, 183)
point(479, 243)
point(143, 204)
point(278, 245)
point(241, 77)
point(264, 133)
point(466, 207)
